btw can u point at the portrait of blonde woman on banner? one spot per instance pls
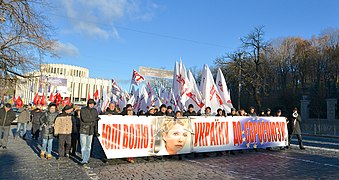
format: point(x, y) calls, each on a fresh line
point(174, 136)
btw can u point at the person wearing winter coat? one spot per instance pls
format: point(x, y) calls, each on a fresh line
point(23, 119)
point(88, 122)
point(47, 130)
point(7, 116)
point(63, 129)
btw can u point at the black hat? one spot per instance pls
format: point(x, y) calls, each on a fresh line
point(207, 108)
point(279, 110)
point(169, 107)
point(91, 101)
point(7, 105)
point(52, 104)
point(268, 109)
point(233, 109)
point(190, 106)
point(163, 106)
point(67, 107)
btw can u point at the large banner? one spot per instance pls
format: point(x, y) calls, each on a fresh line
point(132, 136)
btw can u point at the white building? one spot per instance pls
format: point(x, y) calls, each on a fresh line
point(70, 81)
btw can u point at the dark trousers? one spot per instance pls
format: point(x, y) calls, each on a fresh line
point(75, 139)
point(64, 138)
point(4, 138)
point(299, 140)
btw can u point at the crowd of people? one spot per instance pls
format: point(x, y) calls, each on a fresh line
point(74, 126)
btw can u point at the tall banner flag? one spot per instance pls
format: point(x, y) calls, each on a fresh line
point(209, 91)
point(136, 78)
point(194, 94)
point(223, 91)
point(105, 101)
point(180, 84)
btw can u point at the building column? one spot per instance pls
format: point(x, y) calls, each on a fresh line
point(331, 104)
point(304, 109)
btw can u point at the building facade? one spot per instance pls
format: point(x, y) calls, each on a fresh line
point(70, 81)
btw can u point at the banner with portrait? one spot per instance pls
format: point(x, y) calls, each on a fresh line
point(133, 136)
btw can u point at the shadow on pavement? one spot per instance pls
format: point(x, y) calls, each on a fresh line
point(7, 163)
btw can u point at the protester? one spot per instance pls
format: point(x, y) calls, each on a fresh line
point(294, 123)
point(111, 110)
point(88, 120)
point(162, 111)
point(219, 113)
point(233, 112)
point(242, 112)
point(75, 137)
point(63, 128)
point(178, 114)
point(252, 112)
point(36, 115)
point(141, 113)
point(190, 111)
point(207, 111)
point(47, 130)
point(151, 111)
point(23, 119)
point(7, 116)
point(262, 113)
point(169, 111)
point(268, 112)
point(130, 113)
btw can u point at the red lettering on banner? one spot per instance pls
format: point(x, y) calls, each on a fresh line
point(207, 132)
point(260, 131)
point(131, 136)
point(252, 133)
point(125, 137)
point(268, 131)
point(216, 131)
point(237, 132)
point(137, 137)
point(213, 141)
point(145, 137)
point(282, 129)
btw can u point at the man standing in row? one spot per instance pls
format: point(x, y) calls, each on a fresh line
point(7, 116)
point(23, 119)
point(88, 121)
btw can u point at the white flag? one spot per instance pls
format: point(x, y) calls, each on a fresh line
point(223, 91)
point(105, 101)
point(142, 104)
point(180, 84)
point(209, 91)
point(194, 94)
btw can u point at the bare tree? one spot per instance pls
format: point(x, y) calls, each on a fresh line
point(25, 38)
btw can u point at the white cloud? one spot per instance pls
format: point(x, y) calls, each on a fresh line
point(96, 18)
point(66, 49)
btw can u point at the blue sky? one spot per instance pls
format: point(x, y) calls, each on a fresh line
point(113, 37)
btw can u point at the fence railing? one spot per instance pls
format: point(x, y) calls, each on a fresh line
point(320, 126)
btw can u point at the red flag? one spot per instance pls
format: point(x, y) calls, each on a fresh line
point(43, 100)
point(96, 95)
point(36, 99)
point(65, 102)
point(136, 78)
point(19, 102)
point(52, 97)
point(58, 99)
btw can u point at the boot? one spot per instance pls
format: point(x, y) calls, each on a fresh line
point(301, 146)
point(42, 154)
point(49, 156)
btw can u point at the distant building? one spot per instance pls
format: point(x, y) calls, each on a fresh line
point(71, 81)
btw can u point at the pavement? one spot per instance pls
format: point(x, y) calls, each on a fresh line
point(320, 160)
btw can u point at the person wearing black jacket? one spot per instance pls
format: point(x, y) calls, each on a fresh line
point(88, 121)
point(75, 137)
point(111, 110)
point(170, 111)
point(7, 116)
point(190, 111)
point(162, 111)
